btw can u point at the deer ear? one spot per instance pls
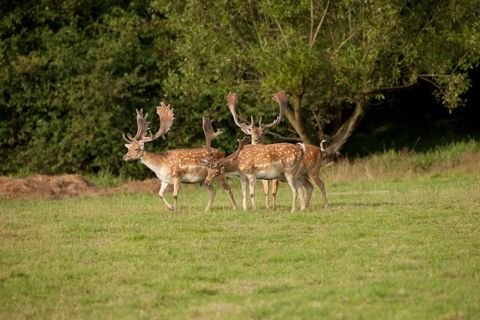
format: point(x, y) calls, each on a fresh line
point(127, 146)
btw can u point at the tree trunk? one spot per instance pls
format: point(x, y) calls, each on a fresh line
point(295, 118)
point(346, 129)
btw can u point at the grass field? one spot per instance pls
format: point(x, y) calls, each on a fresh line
point(392, 246)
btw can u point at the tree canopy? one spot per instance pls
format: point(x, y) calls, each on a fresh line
point(73, 72)
point(332, 57)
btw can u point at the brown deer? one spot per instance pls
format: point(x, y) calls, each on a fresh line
point(256, 134)
point(259, 161)
point(173, 167)
point(312, 160)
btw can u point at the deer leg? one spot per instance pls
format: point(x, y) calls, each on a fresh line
point(251, 182)
point(293, 185)
point(176, 187)
point(308, 187)
point(161, 193)
point(228, 190)
point(321, 185)
point(296, 190)
point(274, 193)
point(243, 183)
point(211, 195)
point(265, 192)
point(303, 205)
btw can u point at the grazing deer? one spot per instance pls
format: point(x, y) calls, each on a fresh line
point(312, 160)
point(256, 134)
point(173, 166)
point(259, 161)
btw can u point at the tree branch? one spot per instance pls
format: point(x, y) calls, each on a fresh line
point(281, 31)
point(311, 23)
point(388, 89)
point(426, 78)
point(254, 23)
point(314, 38)
point(350, 36)
point(284, 138)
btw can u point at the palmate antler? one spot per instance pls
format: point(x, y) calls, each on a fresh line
point(166, 117)
point(232, 103)
point(241, 143)
point(142, 127)
point(210, 134)
point(282, 99)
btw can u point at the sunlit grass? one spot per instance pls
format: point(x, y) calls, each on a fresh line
point(456, 158)
point(393, 246)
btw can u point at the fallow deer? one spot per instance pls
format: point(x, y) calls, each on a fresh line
point(256, 134)
point(259, 161)
point(173, 167)
point(312, 160)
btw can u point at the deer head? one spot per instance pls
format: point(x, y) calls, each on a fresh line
point(256, 132)
point(216, 167)
point(136, 144)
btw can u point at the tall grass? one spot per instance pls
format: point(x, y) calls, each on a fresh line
point(459, 157)
point(393, 245)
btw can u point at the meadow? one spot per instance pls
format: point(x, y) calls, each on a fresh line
point(401, 240)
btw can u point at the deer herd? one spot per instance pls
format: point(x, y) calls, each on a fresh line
point(297, 164)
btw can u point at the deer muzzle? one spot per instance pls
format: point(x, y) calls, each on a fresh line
point(208, 181)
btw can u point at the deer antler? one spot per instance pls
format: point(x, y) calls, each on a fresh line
point(166, 117)
point(208, 131)
point(142, 127)
point(232, 102)
point(282, 99)
point(241, 143)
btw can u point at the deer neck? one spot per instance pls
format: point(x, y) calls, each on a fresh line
point(255, 140)
point(230, 166)
point(152, 160)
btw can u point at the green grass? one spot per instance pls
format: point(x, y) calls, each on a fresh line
point(397, 247)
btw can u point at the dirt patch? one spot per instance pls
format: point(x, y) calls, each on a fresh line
point(144, 186)
point(65, 186)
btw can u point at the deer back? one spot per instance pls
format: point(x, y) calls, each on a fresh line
point(185, 164)
point(269, 158)
point(312, 160)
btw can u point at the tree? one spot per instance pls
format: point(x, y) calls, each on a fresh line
point(72, 74)
point(332, 57)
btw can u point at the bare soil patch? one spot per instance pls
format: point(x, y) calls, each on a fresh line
point(66, 186)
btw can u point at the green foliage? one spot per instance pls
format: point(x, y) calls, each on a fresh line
point(327, 55)
point(72, 73)
point(72, 78)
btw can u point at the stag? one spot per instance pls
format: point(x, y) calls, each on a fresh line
point(256, 134)
point(259, 161)
point(312, 160)
point(173, 167)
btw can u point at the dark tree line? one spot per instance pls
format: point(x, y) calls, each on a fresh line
point(73, 72)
